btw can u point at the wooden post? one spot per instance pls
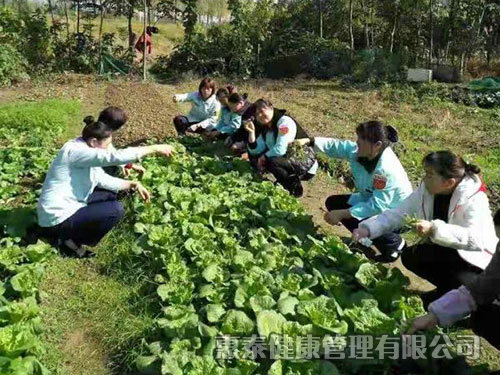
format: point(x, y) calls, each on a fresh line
point(144, 53)
point(78, 16)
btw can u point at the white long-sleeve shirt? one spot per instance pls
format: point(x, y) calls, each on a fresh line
point(74, 174)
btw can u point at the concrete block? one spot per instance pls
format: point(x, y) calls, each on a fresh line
point(419, 75)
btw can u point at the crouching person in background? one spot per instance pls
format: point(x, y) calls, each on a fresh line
point(204, 111)
point(268, 151)
point(78, 203)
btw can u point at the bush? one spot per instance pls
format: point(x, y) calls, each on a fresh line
point(12, 66)
point(223, 49)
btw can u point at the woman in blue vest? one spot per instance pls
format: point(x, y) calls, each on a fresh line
point(78, 203)
point(380, 180)
point(268, 151)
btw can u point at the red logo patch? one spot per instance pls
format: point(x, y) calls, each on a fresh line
point(284, 130)
point(379, 181)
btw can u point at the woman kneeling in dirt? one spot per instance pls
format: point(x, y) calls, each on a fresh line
point(78, 203)
point(268, 151)
point(204, 111)
point(380, 179)
point(454, 219)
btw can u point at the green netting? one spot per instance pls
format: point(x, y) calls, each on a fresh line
point(485, 84)
point(110, 65)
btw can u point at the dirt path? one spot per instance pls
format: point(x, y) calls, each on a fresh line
point(150, 113)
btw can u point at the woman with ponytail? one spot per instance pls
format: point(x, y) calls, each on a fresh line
point(454, 220)
point(380, 180)
point(77, 204)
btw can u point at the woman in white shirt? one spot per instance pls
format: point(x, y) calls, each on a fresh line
point(70, 208)
point(204, 111)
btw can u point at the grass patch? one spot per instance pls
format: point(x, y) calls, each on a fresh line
point(92, 322)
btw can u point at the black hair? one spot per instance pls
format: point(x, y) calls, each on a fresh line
point(496, 218)
point(376, 131)
point(226, 91)
point(263, 103)
point(95, 129)
point(237, 98)
point(448, 165)
point(114, 117)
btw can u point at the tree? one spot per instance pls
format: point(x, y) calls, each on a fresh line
point(190, 17)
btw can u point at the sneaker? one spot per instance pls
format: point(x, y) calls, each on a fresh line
point(388, 258)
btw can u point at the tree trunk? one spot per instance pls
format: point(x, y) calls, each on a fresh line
point(431, 33)
point(320, 7)
point(78, 17)
point(450, 27)
point(394, 27)
point(101, 22)
point(372, 24)
point(365, 25)
point(144, 53)
point(130, 30)
point(351, 32)
point(67, 17)
point(51, 10)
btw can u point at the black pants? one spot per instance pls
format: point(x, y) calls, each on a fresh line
point(285, 173)
point(442, 266)
point(386, 244)
point(241, 135)
point(484, 323)
point(91, 223)
point(181, 124)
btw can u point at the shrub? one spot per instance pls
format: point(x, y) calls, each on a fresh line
point(12, 66)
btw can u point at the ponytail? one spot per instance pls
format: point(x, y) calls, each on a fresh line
point(376, 131)
point(471, 169)
point(95, 130)
point(236, 98)
point(392, 134)
point(89, 120)
point(448, 165)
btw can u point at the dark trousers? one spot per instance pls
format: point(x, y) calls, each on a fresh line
point(241, 135)
point(442, 266)
point(284, 171)
point(92, 222)
point(181, 124)
point(484, 323)
point(386, 244)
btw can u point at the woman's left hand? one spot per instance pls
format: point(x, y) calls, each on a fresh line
point(336, 216)
point(261, 163)
point(423, 323)
point(137, 186)
point(424, 228)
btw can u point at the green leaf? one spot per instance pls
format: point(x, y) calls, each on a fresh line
point(269, 322)
point(215, 312)
point(237, 323)
point(207, 331)
point(148, 365)
point(366, 318)
point(322, 312)
point(261, 303)
point(368, 274)
point(287, 305)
